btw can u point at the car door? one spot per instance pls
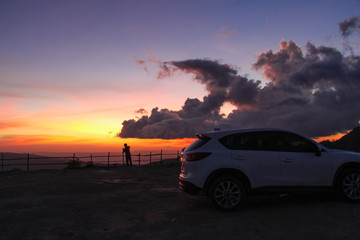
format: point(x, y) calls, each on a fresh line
point(302, 164)
point(252, 154)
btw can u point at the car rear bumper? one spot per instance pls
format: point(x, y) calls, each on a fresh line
point(188, 187)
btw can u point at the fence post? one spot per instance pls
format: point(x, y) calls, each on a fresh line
point(91, 161)
point(139, 159)
point(161, 156)
point(27, 162)
point(150, 158)
point(2, 161)
point(108, 162)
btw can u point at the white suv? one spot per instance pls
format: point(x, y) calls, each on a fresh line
point(229, 165)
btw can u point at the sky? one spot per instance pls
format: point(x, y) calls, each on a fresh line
point(88, 76)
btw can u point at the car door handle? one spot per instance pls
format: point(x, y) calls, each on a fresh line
point(240, 158)
point(288, 160)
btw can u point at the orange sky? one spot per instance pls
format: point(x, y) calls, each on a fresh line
point(87, 142)
point(87, 121)
point(331, 138)
point(38, 143)
point(90, 131)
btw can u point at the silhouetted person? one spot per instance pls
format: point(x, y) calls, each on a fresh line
point(126, 150)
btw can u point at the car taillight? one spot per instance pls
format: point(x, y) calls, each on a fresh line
point(195, 156)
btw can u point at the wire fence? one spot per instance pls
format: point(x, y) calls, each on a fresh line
point(29, 161)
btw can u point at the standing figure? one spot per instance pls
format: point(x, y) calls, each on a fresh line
point(126, 150)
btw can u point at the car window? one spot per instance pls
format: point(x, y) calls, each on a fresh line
point(289, 142)
point(258, 141)
point(202, 139)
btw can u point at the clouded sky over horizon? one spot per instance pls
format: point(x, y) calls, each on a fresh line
point(72, 72)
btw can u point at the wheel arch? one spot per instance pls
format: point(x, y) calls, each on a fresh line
point(343, 168)
point(227, 172)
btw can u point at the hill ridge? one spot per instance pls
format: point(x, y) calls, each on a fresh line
point(350, 141)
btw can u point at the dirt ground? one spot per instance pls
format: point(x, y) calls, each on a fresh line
point(145, 203)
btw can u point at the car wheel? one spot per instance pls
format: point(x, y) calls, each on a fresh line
point(349, 185)
point(227, 192)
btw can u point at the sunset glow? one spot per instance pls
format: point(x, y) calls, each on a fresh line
point(71, 75)
point(331, 137)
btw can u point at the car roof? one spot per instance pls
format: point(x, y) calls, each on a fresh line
point(220, 133)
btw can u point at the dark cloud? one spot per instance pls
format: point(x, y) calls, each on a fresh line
point(214, 75)
point(195, 115)
point(314, 91)
point(164, 124)
point(349, 26)
point(141, 111)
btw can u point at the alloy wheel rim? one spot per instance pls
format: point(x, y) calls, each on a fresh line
point(227, 194)
point(351, 186)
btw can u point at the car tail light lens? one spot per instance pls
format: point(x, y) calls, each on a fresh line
point(195, 156)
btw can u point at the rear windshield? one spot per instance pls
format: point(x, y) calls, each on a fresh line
point(202, 139)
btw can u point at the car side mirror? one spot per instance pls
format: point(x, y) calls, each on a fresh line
point(318, 151)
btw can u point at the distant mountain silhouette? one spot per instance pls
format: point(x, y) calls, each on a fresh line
point(18, 161)
point(14, 156)
point(350, 141)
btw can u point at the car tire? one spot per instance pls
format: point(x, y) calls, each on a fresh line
point(227, 193)
point(349, 185)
